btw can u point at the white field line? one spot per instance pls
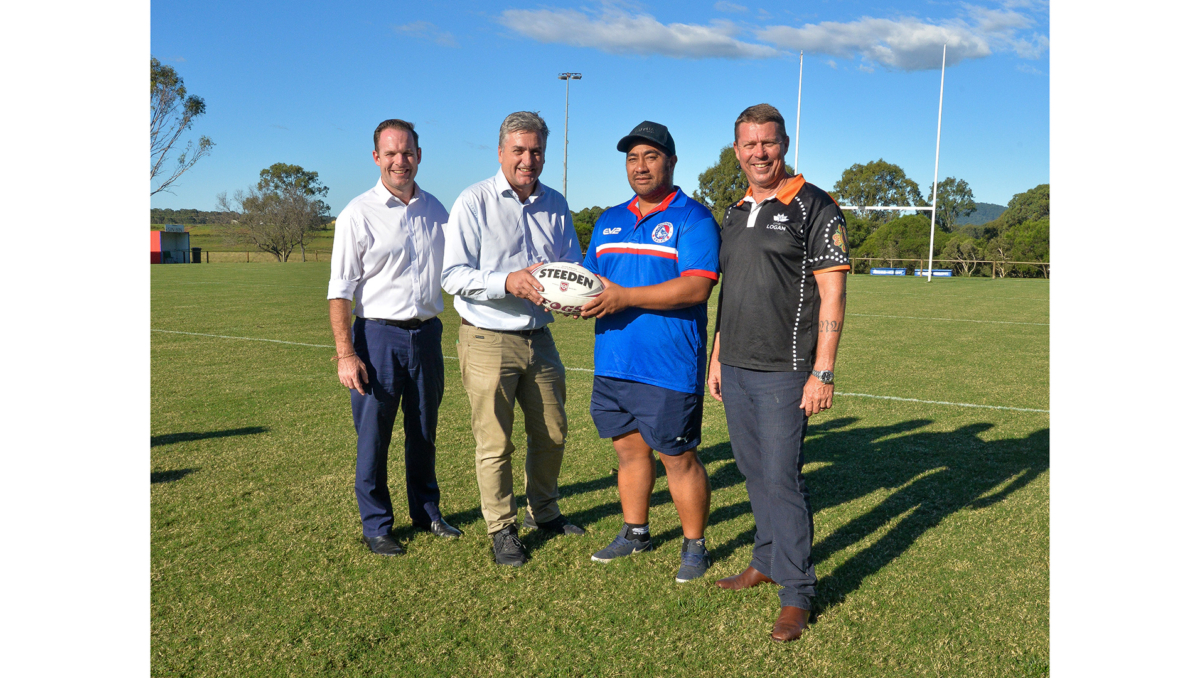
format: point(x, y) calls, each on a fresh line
point(956, 320)
point(942, 402)
point(222, 336)
point(584, 369)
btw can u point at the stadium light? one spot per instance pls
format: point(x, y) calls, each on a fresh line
point(566, 118)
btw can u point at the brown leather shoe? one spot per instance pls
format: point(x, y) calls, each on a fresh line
point(791, 623)
point(748, 578)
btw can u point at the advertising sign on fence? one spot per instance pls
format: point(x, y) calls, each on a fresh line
point(889, 271)
point(937, 272)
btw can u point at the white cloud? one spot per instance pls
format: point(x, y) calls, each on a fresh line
point(618, 32)
point(907, 44)
point(1001, 27)
point(427, 31)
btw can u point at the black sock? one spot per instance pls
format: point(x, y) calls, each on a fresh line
point(638, 532)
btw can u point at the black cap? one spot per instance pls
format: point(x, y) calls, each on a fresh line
point(648, 131)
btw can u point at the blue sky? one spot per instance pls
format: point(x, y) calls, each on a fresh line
point(306, 83)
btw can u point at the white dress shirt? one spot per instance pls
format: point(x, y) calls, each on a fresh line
point(490, 234)
point(387, 256)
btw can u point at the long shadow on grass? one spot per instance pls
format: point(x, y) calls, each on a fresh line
point(169, 476)
point(188, 436)
point(928, 476)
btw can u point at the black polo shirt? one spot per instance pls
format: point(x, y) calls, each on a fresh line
point(769, 301)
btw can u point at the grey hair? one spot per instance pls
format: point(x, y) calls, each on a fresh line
point(524, 121)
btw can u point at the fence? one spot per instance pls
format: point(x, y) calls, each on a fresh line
point(976, 268)
point(255, 257)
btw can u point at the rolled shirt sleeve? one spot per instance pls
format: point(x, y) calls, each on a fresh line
point(346, 262)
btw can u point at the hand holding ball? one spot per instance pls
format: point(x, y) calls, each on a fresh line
point(567, 287)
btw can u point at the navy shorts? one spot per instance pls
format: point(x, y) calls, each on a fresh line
point(669, 421)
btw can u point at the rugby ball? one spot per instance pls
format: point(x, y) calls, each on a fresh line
point(567, 287)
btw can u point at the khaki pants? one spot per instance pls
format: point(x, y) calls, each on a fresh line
point(499, 369)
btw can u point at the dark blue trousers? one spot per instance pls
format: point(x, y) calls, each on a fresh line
point(405, 372)
point(766, 431)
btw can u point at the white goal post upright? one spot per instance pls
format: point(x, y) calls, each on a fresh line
point(796, 132)
point(937, 153)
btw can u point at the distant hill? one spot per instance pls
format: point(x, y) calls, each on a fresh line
point(984, 212)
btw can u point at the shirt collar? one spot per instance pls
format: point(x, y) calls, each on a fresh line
point(502, 186)
point(667, 202)
point(786, 193)
point(388, 198)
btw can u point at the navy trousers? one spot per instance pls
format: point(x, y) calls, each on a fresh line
point(405, 372)
point(766, 431)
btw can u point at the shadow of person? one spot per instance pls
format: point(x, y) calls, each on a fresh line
point(188, 436)
point(840, 490)
point(169, 476)
point(929, 475)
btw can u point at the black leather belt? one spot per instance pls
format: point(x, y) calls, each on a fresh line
point(402, 324)
point(523, 333)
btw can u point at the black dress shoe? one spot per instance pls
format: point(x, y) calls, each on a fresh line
point(442, 528)
point(559, 525)
point(507, 548)
point(384, 545)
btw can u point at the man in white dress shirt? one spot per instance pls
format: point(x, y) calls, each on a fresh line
point(386, 268)
point(498, 231)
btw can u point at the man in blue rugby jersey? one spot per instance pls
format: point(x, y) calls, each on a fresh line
point(658, 257)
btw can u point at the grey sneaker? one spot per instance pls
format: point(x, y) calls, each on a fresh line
point(622, 546)
point(694, 561)
point(508, 549)
point(559, 525)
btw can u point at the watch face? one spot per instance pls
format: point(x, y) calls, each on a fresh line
point(825, 376)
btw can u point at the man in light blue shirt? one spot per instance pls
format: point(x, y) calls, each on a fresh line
point(498, 231)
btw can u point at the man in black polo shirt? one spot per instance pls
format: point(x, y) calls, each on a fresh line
point(784, 257)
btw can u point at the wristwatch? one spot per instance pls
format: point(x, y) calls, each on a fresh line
point(824, 376)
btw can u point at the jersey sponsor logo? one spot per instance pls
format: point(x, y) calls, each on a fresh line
point(839, 238)
point(776, 227)
point(662, 232)
point(611, 231)
point(780, 218)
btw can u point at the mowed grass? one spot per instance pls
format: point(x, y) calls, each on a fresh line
point(932, 521)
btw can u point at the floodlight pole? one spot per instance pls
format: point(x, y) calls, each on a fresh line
point(566, 118)
point(936, 156)
point(796, 132)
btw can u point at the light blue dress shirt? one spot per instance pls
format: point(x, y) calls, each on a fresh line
point(491, 233)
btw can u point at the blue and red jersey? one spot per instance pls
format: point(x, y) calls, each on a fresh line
point(677, 238)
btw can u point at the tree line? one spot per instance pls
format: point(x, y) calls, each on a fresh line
point(1020, 233)
point(186, 216)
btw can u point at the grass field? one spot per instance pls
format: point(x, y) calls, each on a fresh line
point(932, 520)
